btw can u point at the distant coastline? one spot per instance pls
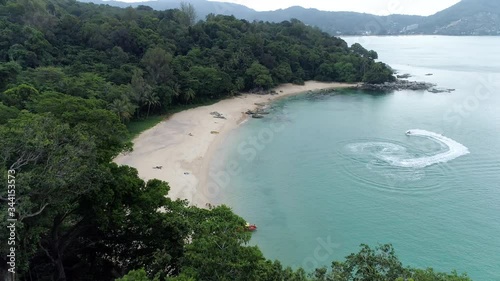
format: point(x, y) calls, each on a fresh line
point(184, 144)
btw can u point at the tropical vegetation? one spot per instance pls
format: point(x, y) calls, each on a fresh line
point(72, 76)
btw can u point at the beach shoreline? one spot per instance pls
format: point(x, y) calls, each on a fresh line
point(184, 144)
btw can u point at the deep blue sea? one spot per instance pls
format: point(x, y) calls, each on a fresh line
point(324, 173)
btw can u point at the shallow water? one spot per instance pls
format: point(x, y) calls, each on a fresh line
point(325, 173)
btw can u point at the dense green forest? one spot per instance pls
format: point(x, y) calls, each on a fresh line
point(73, 74)
point(140, 61)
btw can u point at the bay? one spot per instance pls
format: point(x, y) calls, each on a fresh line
point(324, 173)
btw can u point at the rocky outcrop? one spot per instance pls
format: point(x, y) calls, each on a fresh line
point(404, 76)
point(258, 111)
point(216, 114)
point(260, 91)
point(440, 90)
point(398, 86)
point(261, 110)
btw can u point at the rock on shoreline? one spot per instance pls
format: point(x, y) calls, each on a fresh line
point(405, 85)
point(440, 90)
point(398, 86)
point(404, 76)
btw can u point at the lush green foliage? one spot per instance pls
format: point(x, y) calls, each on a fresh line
point(141, 61)
point(72, 74)
point(380, 264)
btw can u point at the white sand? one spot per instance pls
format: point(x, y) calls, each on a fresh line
point(184, 158)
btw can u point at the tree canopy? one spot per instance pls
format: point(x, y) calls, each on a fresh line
point(72, 74)
point(122, 55)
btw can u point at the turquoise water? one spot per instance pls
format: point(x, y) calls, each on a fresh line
point(325, 173)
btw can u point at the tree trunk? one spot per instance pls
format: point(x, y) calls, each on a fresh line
point(149, 107)
point(58, 259)
point(60, 269)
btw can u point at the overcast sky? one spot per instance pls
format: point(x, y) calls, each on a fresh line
point(378, 7)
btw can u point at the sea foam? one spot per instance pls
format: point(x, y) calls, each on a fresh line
point(397, 155)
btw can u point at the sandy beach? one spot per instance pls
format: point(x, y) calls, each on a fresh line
point(184, 144)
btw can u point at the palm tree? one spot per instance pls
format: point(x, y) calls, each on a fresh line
point(123, 108)
point(176, 88)
point(151, 99)
point(188, 95)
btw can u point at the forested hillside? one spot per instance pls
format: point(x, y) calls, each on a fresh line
point(139, 61)
point(468, 17)
point(73, 74)
point(336, 23)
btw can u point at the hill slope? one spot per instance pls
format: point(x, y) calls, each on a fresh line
point(468, 17)
point(335, 23)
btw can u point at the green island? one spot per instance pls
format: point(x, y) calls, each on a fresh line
point(74, 76)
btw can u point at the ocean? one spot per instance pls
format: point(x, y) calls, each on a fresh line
point(326, 172)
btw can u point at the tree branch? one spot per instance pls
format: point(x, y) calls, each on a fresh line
point(34, 214)
point(46, 251)
point(25, 159)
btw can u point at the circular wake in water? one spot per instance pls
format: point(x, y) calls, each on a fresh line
point(399, 156)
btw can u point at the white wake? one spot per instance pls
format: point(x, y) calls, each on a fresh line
point(396, 155)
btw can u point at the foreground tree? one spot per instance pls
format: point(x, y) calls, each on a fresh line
point(53, 165)
point(380, 264)
point(218, 250)
point(377, 264)
point(431, 275)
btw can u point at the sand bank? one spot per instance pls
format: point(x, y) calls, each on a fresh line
point(184, 144)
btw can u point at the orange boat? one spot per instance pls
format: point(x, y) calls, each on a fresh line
point(250, 227)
